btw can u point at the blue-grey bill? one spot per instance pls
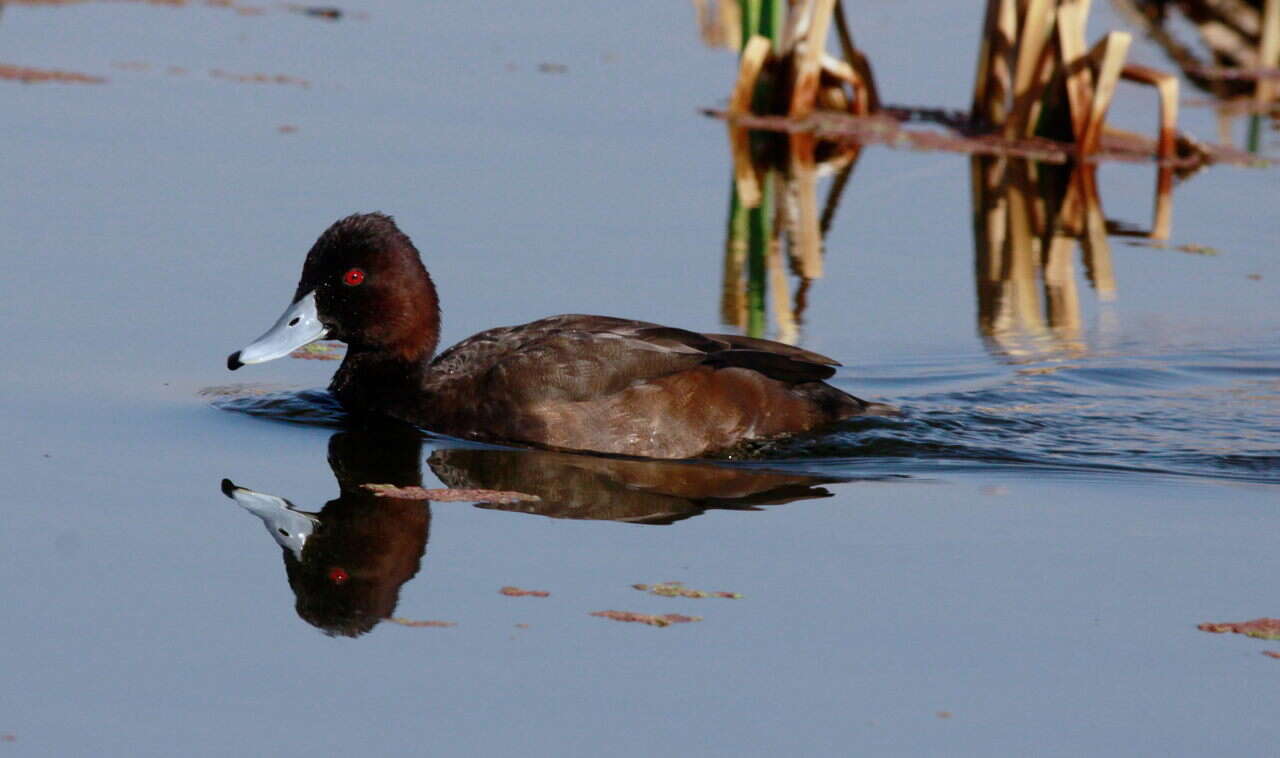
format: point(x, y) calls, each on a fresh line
point(288, 527)
point(299, 325)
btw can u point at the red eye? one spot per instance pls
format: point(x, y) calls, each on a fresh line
point(353, 277)
point(337, 575)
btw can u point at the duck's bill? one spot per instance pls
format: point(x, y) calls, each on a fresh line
point(288, 526)
point(299, 325)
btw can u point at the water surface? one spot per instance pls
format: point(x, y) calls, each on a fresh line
point(1016, 565)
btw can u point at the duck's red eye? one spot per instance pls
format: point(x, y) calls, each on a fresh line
point(353, 277)
point(337, 575)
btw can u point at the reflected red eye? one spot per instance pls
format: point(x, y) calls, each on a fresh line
point(337, 575)
point(353, 277)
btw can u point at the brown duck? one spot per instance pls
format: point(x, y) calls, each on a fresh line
point(571, 382)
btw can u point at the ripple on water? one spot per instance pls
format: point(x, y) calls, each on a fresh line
point(1213, 415)
point(314, 407)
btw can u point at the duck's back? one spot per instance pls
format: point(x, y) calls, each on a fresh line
point(626, 387)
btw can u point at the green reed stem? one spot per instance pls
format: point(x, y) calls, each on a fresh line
point(760, 235)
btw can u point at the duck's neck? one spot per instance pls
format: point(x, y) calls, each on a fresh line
point(375, 381)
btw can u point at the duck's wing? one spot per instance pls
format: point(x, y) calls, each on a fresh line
point(579, 357)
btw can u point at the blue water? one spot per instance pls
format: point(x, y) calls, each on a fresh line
point(1016, 565)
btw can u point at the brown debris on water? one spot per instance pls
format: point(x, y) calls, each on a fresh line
point(28, 75)
point(666, 619)
point(450, 495)
point(677, 589)
point(1192, 248)
point(328, 13)
point(425, 624)
point(517, 592)
point(1263, 628)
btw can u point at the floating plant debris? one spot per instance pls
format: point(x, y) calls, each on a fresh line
point(552, 68)
point(422, 624)
point(240, 390)
point(677, 589)
point(316, 351)
point(666, 619)
point(517, 592)
point(1263, 628)
point(218, 73)
point(1188, 248)
point(328, 13)
point(450, 495)
point(28, 75)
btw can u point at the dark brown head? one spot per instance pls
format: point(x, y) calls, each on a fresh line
point(363, 283)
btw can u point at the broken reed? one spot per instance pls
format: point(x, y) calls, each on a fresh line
point(784, 69)
point(1036, 76)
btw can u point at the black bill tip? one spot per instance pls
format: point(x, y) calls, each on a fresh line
point(233, 361)
point(228, 487)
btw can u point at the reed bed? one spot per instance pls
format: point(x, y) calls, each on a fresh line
point(1036, 126)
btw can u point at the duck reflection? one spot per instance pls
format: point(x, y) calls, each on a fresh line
point(618, 489)
point(347, 562)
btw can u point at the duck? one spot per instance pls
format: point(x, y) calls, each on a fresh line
point(572, 382)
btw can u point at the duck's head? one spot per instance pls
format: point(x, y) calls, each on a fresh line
point(363, 283)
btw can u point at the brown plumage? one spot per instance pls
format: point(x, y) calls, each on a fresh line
point(575, 382)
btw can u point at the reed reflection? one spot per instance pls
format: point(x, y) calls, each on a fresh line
point(783, 232)
point(1027, 221)
point(347, 562)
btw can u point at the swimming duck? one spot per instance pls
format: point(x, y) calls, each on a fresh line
point(569, 382)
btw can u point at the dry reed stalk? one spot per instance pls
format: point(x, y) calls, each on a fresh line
point(1022, 250)
point(1032, 47)
point(843, 166)
point(866, 97)
point(1268, 50)
point(990, 216)
point(1079, 77)
point(750, 65)
point(1162, 213)
point(1110, 54)
point(1061, 296)
point(720, 26)
point(807, 58)
point(1097, 250)
point(733, 292)
point(1167, 90)
point(780, 298)
point(994, 79)
point(745, 179)
point(803, 185)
